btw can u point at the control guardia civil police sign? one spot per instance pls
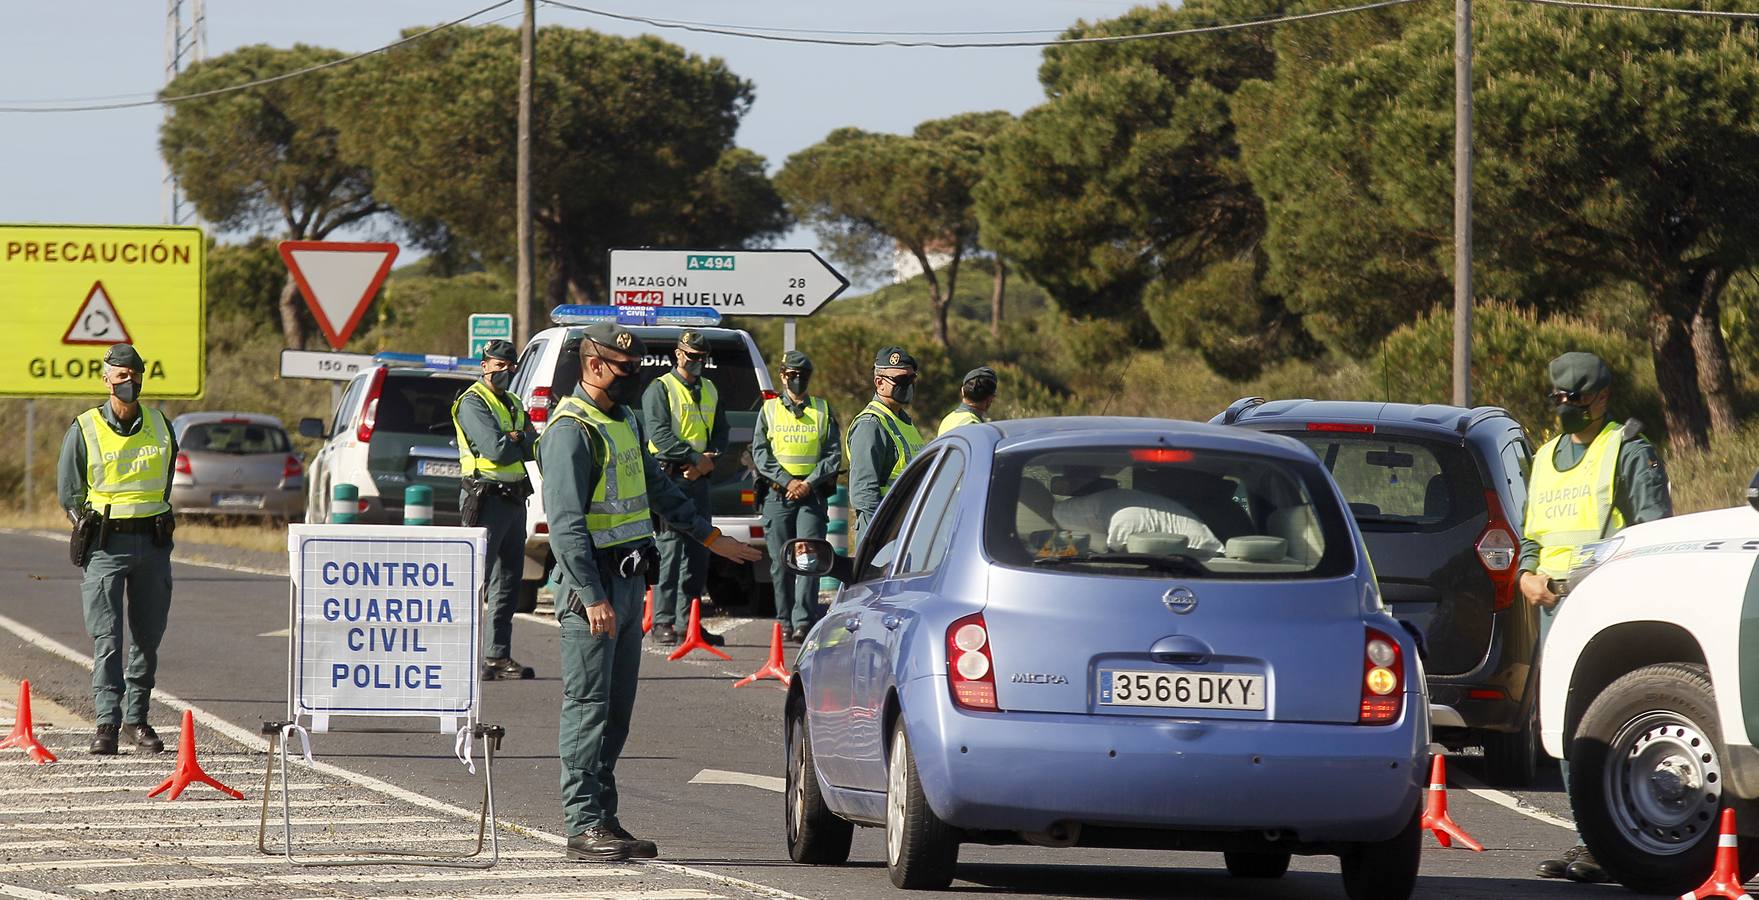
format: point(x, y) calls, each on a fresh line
point(70, 291)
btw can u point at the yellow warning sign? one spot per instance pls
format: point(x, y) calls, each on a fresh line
point(69, 291)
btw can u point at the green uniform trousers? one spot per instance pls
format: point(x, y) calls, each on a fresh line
point(505, 520)
point(127, 565)
point(683, 563)
point(783, 521)
point(599, 677)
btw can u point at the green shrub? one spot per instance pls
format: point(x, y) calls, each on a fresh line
point(1715, 478)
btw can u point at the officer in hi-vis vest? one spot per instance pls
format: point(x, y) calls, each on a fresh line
point(882, 438)
point(686, 432)
point(115, 483)
point(601, 488)
point(796, 449)
point(977, 393)
point(495, 438)
point(1594, 478)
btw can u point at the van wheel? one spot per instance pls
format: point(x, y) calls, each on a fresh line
point(1271, 864)
point(921, 850)
point(816, 835)
point(1386, 870)
point(1512, 758)
point(1647, 776)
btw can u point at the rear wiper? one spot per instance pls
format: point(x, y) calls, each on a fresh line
point(1179, 565)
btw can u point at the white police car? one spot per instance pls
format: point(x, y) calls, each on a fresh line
point(1649, 685)
point(549, 369)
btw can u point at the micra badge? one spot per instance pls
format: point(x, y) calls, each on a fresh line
point(1038, 678)
point(1180, 600)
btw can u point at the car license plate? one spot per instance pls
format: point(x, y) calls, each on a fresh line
point(438, 468)
point(251, 501)
point(1181, 690)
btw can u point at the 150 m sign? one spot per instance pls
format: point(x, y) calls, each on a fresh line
point(732, 282)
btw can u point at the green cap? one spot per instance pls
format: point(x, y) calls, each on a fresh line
point(124, 355)
point(615, 337)
point(694, 341)
point(894, 358)
point(797, 361)
point(1580, 372)
point(501, 350)
point(979, 384)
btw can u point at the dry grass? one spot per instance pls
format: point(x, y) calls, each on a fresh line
point(1716, 478)
point(236, 533)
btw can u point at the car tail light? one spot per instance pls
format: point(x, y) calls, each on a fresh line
point(540, 406)
point(182, 464)
point(369, 414)
point(543, 528)
point(292, 468)
point(757, 532)
point(1161, 455)
point(771, 395)
point(971, 671)
point(1498, 551)
point(1485, 694)
point(1383, 680)
point(363, 505)
point(1345, 427)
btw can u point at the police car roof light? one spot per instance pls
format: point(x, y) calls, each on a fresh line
point(430, 361)
point(681, 316)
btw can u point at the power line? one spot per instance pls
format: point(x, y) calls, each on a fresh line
point(1664, 10)
point(180, 98)
point(966, 45)
point(777, 29)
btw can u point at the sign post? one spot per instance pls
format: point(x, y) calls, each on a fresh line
point(485, 327)
point(338, 280)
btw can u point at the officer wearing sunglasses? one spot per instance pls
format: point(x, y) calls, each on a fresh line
point(687, 432)
point(882, 437)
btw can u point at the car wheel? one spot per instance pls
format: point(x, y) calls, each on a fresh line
point(1511, 759)
point(816, 835)
point(1646, 779)
point(1269, 864)
point(1386, 870)
point(921, 850)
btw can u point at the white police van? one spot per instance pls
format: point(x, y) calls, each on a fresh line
point(549, 369)
point(1649, 685)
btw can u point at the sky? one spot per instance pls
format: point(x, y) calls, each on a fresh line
point(104, 168)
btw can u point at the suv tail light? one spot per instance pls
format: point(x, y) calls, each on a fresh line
point(1498, 551)
point(540, 406)
point(1383, 680)
point(369, 413)
point(971, 671)
point(182, 464)
point(771, 395)
point(292, 468)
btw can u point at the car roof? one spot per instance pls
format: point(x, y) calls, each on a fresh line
point(1438, 418)
point(652, 331)
point(205, 418)
point(1080, 431)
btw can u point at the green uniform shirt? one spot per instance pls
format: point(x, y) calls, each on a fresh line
point(71, 469)
point(830, 449)
point(1639, 489)
point(656, 415)
point(484, 433)
point(570, 470)
point(871, 458)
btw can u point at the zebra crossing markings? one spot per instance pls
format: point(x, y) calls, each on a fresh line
point(167, 805)
point(206, 823)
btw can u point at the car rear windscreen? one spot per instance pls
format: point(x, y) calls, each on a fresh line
point(730, 366)
point(1157, 511)
point(416, 404)
point(237, 438)
point(1399, 483)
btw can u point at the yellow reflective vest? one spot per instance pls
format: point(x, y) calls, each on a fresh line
point(906, 440)
point(506, 420)
point(796, 440)
point(692, 421)
point(1574, 507)
point(958, 417)
point(127, 473)
point(618, 512)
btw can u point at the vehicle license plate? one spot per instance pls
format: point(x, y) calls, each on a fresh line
point(438, 468)
point(252, 501)
point(1182, 690)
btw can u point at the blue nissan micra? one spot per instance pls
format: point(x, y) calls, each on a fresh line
point(1106, 632)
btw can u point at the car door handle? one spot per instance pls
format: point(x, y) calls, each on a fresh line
point(891, 621)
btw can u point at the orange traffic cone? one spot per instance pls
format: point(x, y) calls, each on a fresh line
point(24, 735)
point(1725, 880)
point(647, 613)
point(1435, 810)
point(693, 638)
point(775, 668)
point(188, 770)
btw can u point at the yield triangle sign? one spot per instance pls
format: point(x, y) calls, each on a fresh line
point(97, 321)
point(338, 280)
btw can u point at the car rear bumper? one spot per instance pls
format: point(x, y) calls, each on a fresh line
point(1026, 772)
point(195, 500)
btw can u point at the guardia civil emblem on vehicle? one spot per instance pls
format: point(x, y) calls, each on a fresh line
point(1180, 600)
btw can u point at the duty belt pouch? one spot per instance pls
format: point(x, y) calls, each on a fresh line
point(650, 563)
point(85, 533)
point(470, 503)
point(163, 526)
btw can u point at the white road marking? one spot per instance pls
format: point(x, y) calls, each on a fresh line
point(661, 894)
point(24, 893)
point(163, 763)
point(97, 827)
point(260, 744)
point(168, 845)
point(762, 782)
point(186, 804)
point(171, 859)
point(276, 634)
point(155, 775)
point(1508, 801)
point(448, 877)
point(117, 789)
point(170, 884)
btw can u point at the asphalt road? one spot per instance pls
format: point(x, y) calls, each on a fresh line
point(225, 654)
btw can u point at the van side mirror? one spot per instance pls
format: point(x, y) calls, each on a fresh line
point(816, 558)
point(312, 428)
point(1753, 492)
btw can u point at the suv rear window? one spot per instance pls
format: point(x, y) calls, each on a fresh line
point(239, 438)
point(1397, 483)
point(730, 367)
point(1156, 511)
point(414, 404)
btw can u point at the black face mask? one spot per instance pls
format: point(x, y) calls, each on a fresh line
point(903, 389)
point(797, 384)
point(1573, 418)
point(624, 390)
point(127, 391)
point(693, 367)
point(501, 380)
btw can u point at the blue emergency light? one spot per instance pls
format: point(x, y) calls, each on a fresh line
point(680, 316)
point(431, 361)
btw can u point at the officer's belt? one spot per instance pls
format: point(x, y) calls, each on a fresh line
point(142, 525)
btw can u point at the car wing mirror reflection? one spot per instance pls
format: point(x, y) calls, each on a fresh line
point(816, 558)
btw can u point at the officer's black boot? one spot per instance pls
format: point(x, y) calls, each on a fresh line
point(598, 844)
point(1559, 867)
point(103, 741)
point(506, 668)
point(638, 848)
point(143, 737)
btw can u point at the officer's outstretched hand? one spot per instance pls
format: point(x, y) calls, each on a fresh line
point(736, 551)
point(601, 620)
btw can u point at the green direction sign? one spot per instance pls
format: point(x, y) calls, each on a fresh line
point(716, 262)
point(485, 327)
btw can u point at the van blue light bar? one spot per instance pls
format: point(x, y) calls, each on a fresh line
point(635, 315)
point(431, 361)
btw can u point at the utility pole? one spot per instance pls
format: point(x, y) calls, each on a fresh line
point(1462, 202)
point(183, 45)
point(523, 280)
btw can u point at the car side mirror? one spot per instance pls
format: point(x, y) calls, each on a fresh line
point(816, 558)
point(1753, 492)
point(312, 428)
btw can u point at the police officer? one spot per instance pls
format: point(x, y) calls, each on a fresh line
point(686, 432)
point(495, 438)
point(116, 464)
point(882, 438)
point(1594, 478)
point(795, 447)
point(977, 392)
point(599, 483)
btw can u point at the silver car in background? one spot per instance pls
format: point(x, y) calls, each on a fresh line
point(235, 464)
